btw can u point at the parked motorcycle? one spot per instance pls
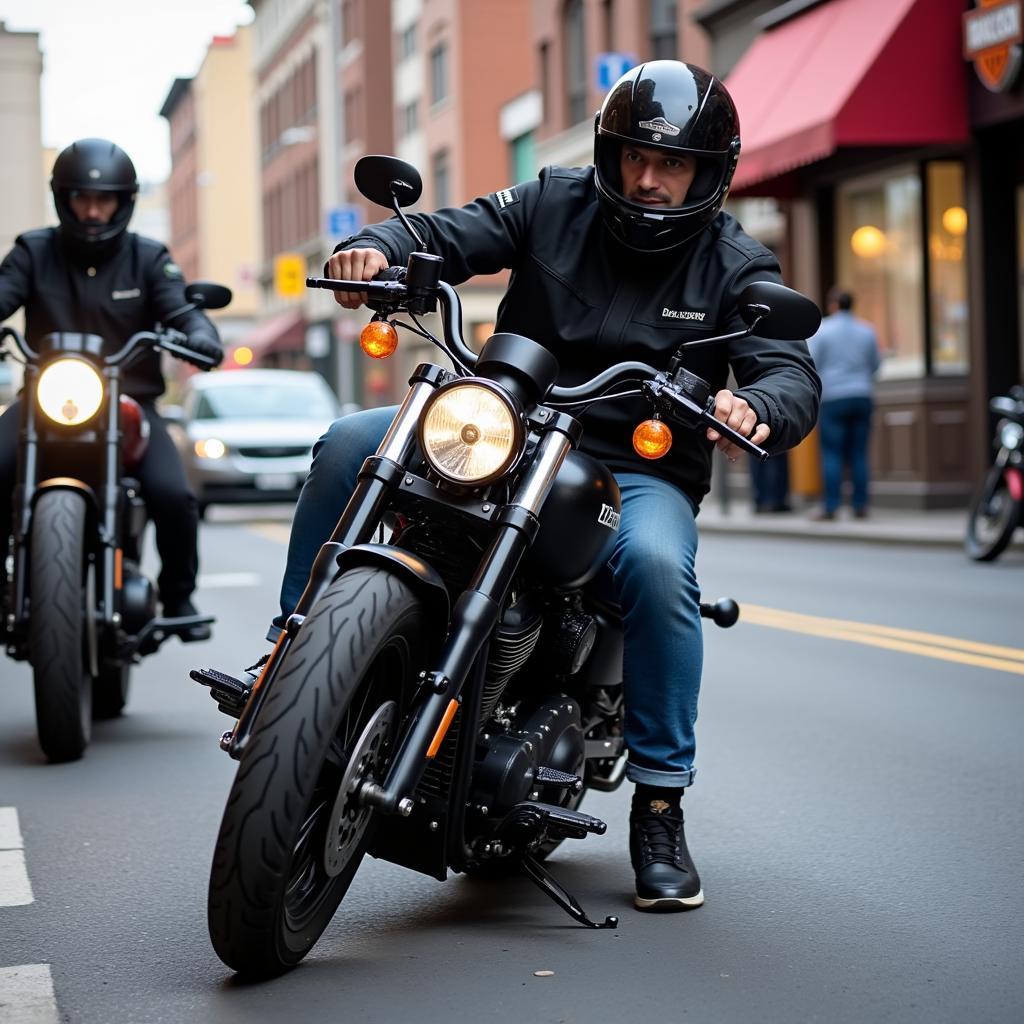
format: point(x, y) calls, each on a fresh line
point(995, 511)
point(450, 684)
point(77, 605)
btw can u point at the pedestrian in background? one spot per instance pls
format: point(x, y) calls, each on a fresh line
point(845, 353)
point(769, 481)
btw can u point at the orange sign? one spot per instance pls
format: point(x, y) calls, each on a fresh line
point(992, 40)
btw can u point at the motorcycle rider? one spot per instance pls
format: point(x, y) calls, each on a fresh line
point(91, 274)
point(622, 260)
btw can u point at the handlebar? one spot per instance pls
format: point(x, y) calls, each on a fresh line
point(393, 293)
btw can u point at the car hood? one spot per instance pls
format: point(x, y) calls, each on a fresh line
point(274, 432)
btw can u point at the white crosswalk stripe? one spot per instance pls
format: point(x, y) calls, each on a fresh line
point(27, 996)
point(15, 888)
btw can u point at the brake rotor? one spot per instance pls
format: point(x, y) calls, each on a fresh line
point(349, 817)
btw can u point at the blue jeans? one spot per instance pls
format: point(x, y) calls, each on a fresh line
point(652, 569)
point(845, 425)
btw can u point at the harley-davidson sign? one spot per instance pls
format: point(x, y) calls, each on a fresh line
point(992, 40)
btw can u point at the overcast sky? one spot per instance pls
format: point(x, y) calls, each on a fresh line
point(109, 64)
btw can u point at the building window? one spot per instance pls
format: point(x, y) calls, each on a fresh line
point(544, 71)
point(947, 267)
point(351, 115)
point(608, 17)
point(880, 260)
point(662, 29)
point(407, 42)
point(442, 179)
point(438, 73)
point(575, 61)
point(349, 30)
point(521, 153)
point(408, 119)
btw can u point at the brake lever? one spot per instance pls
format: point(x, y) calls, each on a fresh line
point(688, 399)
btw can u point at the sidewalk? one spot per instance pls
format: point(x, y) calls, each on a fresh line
point(884, 526)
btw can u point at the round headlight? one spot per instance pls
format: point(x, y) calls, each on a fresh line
point(69, 391)
point(1011, 435)
point(470, 433)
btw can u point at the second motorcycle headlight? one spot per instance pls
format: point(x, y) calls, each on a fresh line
point(470, 433)
point(69, 391)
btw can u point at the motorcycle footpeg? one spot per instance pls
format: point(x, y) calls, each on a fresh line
point(545, 776)
point(548, 819)
point(231, 694)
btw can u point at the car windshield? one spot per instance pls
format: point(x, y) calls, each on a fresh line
point(305, 401)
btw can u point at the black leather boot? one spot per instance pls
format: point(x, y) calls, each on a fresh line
point(182, 608)
point(666, 879)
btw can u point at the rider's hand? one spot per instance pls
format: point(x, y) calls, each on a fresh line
point(355, 265)
point(734, 412)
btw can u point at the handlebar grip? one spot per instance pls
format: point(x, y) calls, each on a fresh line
point(188, 355)
point(393, 290)
point(737, 438)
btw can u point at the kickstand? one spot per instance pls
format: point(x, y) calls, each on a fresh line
point(547, 884)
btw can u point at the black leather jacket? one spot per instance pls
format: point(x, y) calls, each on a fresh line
point(130, 289)
point(593, 303)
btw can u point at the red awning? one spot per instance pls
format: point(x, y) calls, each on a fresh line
point(849, 73)
point(284, 332)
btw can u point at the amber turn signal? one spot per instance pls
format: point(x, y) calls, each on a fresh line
point(378, 339)
point(652, 439)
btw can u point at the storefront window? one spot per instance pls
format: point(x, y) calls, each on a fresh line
point(879, 260)
point(947, 267)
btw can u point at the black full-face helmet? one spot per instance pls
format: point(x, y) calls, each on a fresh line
point(99, 166)
point(678, 108)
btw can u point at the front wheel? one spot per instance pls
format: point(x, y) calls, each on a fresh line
point(57, 625)
point(993, 516)
point(293, 832)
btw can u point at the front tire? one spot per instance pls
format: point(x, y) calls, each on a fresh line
point(63, 692)
point(332, 715)
point(992, 519)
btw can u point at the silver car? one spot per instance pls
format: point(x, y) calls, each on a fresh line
point(247, 435)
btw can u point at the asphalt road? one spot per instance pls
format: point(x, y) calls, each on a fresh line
point(857, 820)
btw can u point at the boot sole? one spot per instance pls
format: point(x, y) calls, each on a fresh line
point(669, 904)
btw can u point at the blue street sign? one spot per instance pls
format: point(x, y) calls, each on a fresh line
point(343, 221)
point(611, 67)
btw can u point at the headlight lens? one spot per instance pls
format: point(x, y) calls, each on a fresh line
point(470, 433)
point(69, 391)
point(210, 448)
point(1011, 435)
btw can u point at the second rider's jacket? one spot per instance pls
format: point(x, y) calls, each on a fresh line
point(127, 289)
point(592, 303)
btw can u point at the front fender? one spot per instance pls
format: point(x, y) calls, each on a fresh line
point(411, 569)
point(68, 483)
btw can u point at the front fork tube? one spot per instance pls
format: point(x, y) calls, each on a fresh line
point(473, 620)
point(361, 517)
point(112, 554)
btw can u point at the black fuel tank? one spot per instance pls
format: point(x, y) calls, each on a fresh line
point(578, 523)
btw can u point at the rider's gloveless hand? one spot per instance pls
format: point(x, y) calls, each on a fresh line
point(734, 412)
point(355, 265)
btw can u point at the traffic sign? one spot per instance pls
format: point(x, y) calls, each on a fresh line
point(345, 220)
point(289, 274)
point(611, 67)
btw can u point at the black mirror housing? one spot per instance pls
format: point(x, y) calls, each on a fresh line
point(790, 317)
point(386, 179)
point(207, 295)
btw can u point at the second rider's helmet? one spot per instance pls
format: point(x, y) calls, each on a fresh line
point(679, 108)
point(100, 166)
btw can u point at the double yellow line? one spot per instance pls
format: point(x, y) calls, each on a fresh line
point(908, 641)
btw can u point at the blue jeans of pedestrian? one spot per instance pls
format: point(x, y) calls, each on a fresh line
point(652, 572)
point(845, 426)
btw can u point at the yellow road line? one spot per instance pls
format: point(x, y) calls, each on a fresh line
point(277, 532)
point(928, 645)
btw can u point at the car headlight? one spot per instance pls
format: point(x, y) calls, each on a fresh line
point(470, 433)
point(210, 448)
point(70, 391)
point(1011, 435)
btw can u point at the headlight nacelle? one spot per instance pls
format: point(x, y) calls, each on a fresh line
point(471, 433)
point(69, 391)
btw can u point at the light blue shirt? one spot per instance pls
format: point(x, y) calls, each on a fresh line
point(845, 354)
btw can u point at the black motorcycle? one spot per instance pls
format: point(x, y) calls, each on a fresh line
point(77, 606)
point(450, 684)
point(995, 511)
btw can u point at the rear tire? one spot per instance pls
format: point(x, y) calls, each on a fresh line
point(271, 895)
point(63, 692)
point(992, 519)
